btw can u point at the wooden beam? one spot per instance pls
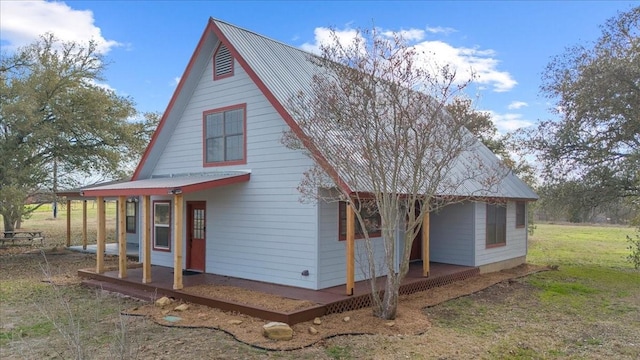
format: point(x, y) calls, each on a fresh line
point(68, 223)
point(84, 224)
point(122, 237)
point(425, 245)
point(146, 239)
point(100, 238)
point(350, 250)
point(177, 249)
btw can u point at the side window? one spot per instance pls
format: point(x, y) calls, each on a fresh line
point(496, 225)
point(371, 219)
point(162, 225)
point(131, 217)
point(224, 136)
point(521, 214)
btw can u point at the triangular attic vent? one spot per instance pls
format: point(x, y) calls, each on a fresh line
point(222, 63)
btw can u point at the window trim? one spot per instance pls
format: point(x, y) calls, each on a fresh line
point(155, 247)
point(342, 213)
point(244, 136)
point(523, 215)
point(135, 216)
point(496, 244)
point(226, 75)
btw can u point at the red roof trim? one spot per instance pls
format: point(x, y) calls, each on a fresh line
point(164, 190)
point(174, 97)
point(280, 109)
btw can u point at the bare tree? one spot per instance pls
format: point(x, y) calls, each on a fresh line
point(374, 121)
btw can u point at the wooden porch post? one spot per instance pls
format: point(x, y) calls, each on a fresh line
point(350, 251)
point(146, 239)
point(101, 232)
point(177, 252)
point(84, 224)
point(68, 222)
point(425, 245)
point(122, 237)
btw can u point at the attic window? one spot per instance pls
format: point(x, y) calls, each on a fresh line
point(222, 63)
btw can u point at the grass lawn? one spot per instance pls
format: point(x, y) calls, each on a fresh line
point(589, 308)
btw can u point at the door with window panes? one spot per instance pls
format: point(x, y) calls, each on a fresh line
point(196, 235)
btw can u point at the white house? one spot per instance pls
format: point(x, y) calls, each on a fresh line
point(216, 190)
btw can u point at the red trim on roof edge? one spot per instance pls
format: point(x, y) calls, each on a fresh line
point(177, 91)
point(280, 109)
point(165, 189)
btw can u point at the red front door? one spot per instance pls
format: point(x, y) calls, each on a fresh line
point(196, 235)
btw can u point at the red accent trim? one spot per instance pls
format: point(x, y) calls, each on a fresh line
point(214, 65)
point(174, 97)
point(165, 190)
point(244, 134)
point(153, 243)
point(281, 110)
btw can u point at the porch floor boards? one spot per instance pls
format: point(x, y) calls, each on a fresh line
point(329, 300)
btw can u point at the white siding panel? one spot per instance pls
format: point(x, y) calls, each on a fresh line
point(451, 235)
point(257, 230)
point(516, 238)
point(332, 263)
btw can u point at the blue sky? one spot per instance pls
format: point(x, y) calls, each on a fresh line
point(148, 43)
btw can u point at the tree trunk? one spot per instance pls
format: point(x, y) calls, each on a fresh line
point(390, 300)
point(8, 224)
point(55, 189)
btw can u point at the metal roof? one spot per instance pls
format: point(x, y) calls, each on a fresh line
point(287, 71)
point(168, 185)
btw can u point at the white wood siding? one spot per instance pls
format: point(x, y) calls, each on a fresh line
point(451, 235)
point(516, 237)
point(257, 230)
point(332, 263)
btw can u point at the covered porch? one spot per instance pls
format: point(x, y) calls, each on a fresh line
point(328, 301)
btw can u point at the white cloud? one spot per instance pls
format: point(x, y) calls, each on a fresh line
point(176, 81)
point(440, 30)
point(22, 22)
point(517, 105)
point(508, 122)
point(467, 62)
point(408, 35)
point(323, 37)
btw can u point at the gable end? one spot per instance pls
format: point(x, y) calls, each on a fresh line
point(222, 62)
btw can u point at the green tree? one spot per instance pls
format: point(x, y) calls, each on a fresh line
point(596, 90)
point(56, 120)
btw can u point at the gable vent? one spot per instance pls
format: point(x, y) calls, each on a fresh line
point(223, 63)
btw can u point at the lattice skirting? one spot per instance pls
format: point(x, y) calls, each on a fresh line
point(362, 301)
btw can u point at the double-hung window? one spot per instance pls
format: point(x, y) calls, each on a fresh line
point(496, 225)
point(224, 136)
point(131, 217)
point(162, 225)
point(521, 214)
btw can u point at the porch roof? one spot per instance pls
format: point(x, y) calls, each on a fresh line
point(169, 184)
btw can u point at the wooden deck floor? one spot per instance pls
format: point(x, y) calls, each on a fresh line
point(330, 300)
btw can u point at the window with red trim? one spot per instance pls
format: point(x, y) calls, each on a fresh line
point(370, 216)
point(224, 136)
point(162, 225)
point(496, 225)
point(222, 62)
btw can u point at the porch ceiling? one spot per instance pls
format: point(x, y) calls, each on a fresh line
point(169, 185)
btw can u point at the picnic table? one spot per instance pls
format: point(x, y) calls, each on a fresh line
point(19, 235)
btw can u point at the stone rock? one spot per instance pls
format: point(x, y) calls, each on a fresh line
point(312, 330)
point(346, 319)
point(163, 301)
point(165, 312)
point(235, 322)
point(182, 307)
point(201, 315)
point(317, 321)
point(390, 323)
point(277, 331)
